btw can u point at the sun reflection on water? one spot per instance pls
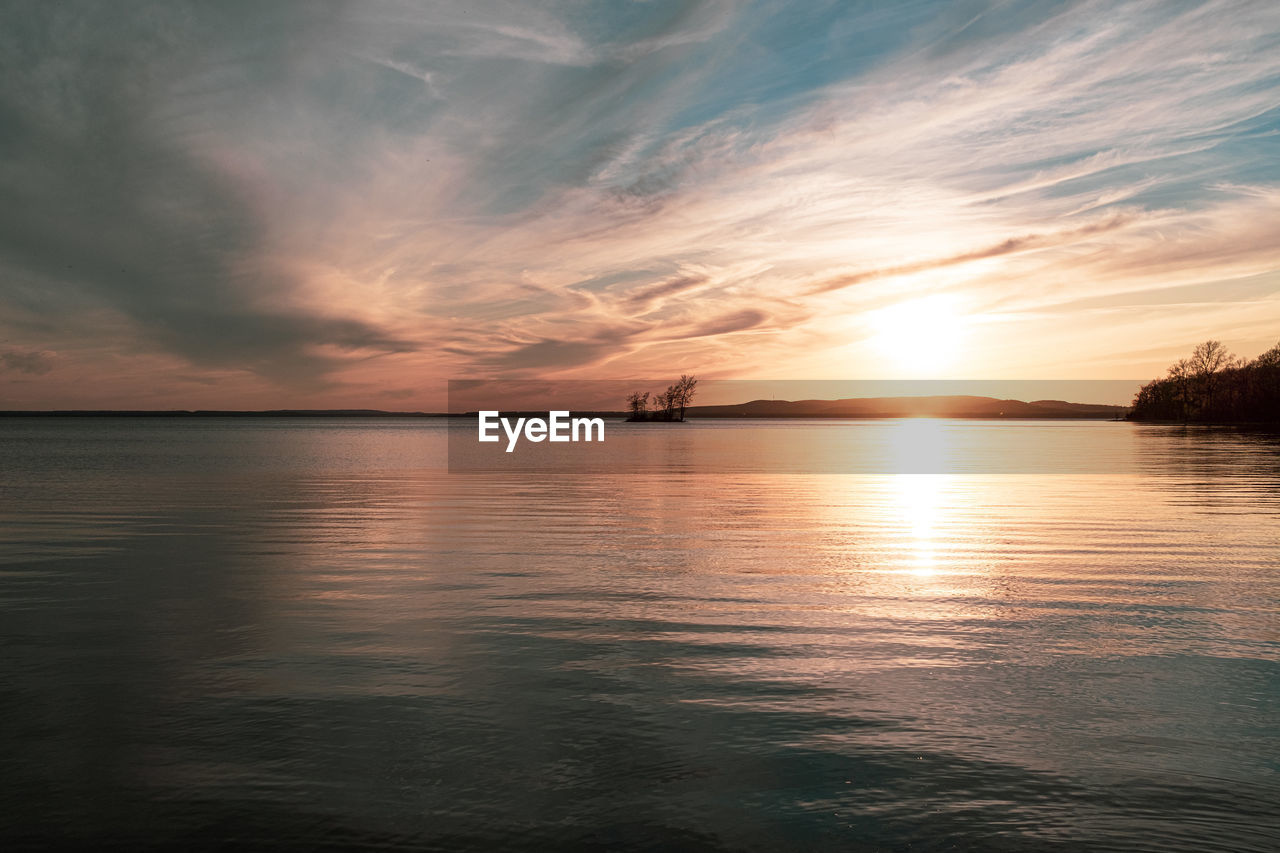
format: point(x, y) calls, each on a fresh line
point(918, 498)
point(918, 446)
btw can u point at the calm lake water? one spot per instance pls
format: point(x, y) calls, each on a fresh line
point(308, 634)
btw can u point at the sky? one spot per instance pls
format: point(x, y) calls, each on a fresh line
point(347, 204)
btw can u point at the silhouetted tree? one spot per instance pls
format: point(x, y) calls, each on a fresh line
point(684, 390)
point(670, 405)
point(1207, 360)
point(1209, 357)
point(639, 405)
point(667, 402)
point(1214, 386)
point(1180, 375)
point(1270, 358)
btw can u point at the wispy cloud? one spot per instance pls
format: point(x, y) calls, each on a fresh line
point(337, 201)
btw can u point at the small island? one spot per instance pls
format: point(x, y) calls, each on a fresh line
point(669, 405)
point(1214, 387)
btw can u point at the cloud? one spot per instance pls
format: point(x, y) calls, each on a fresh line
point(1023, 243)
point(552, 353)
point(588, 345)
point(325, 199)
point(643, 299)
point(33, 363)
point(727, 324)
point(109, 207)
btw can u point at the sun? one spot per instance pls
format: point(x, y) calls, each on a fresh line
point(919, 336)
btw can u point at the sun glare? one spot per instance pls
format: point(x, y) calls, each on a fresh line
point(919, 496)
point(919, 336)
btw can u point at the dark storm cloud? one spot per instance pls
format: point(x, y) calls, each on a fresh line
point(105, 197)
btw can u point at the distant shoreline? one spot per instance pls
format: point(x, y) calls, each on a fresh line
point(214, 413)
point(621, 416)
point(855, 408)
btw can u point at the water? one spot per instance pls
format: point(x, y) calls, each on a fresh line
point(307, 634)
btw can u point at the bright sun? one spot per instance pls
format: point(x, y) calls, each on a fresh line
point(919, 336)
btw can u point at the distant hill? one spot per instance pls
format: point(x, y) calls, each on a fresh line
point(856, 407)
point(910, 407)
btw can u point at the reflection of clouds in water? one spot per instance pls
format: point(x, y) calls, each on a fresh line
point(314, 619)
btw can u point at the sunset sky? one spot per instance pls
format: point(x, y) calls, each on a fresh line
point(329, 204)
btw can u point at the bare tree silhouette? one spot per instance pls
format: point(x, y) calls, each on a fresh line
point(684, 390)
point(638, 403)
point(1213, 386)
point(670, 405)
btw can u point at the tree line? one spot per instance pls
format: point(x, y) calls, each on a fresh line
point(667, 406)
point(1214, 386)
